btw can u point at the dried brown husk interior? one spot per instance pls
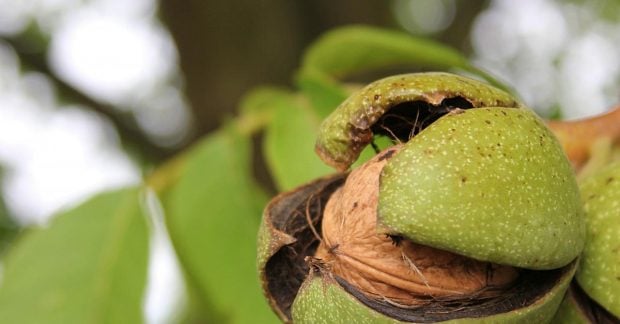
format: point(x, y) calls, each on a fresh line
point(295, 214)
point(405, 120)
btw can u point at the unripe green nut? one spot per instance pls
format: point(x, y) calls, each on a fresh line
point(599, 267)
point(479, 175)
point(595, 296)
point(489, 183)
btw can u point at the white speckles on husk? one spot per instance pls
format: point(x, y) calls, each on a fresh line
point(322, 300)
point(599, 272)
point(489, 183)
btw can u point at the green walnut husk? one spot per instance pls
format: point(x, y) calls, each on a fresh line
point(578, 308)
point(595, 296)
point(599, 270)
point(479, 176)
point(465, 170)
point(344, 134)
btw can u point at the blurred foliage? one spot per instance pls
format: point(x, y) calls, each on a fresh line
point(353, 50)
point(94, 256)
point(8, 227)
point(212, 213)
point(290, 136)
point(88, 266)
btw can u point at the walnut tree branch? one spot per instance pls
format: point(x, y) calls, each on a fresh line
point(131, 136)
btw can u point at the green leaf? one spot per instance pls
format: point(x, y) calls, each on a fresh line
point(289, 144)
point(88, 266)
point(325, 93)
point(381, 143)
point(213, 214)
point(354, 49)
point(358, 48)
point(8, 228)
point(256, 108)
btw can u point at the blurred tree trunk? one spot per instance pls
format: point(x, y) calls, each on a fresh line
point(458, 33)
point(228, 47)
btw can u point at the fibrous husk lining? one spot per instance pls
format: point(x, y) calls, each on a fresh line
point(400, 122)
point(289, 213)
point(405, 120)
point(400, 272)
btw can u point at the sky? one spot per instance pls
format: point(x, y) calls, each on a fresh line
point(555, 54)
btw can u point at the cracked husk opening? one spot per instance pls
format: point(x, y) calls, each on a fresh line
point(386, 266)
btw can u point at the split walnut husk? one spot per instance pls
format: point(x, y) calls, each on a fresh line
point(392, 268)
point(472, 216)
point(351, 271)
